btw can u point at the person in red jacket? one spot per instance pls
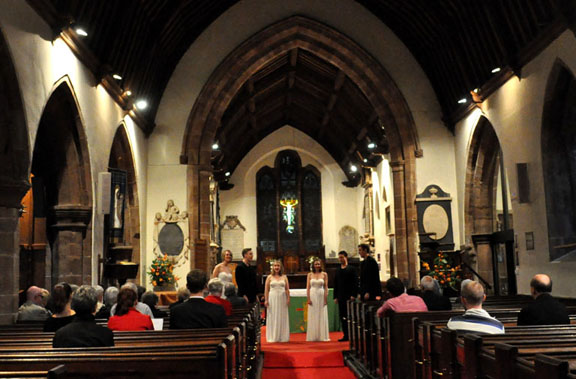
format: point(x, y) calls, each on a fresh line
point(127, 317)
point(215, 287)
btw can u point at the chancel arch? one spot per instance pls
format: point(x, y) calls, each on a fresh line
point(282, 45)
point(14, 178)
point(488, 212)
point(62, 191)
point(559, 162)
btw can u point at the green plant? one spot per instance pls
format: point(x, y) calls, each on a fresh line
point(444, 271)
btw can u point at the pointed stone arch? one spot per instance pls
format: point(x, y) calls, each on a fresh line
point(61, 169)
point(367, 73)
point(122, 157)
point(558, 143)
point(14, 181)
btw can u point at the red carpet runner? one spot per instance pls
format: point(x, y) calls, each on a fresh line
point(300, 359)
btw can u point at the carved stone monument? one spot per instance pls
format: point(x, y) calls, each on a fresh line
point(232, 234)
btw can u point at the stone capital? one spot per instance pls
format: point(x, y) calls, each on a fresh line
point(73, 217)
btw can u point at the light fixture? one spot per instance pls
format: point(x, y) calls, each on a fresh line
point(215, 146)
point(227, 173)
point(495, 70)
point(462, 101)
point(141, 104)
point(365, 160)
point(371, 145)
point(81, 32)
point(128, 93)
point(117, 77)
point(476, 90)
point(353, 168)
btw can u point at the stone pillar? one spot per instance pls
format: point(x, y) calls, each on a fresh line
point(400, 227)
point(10, 197)
point(71, 262)
point(199, 213)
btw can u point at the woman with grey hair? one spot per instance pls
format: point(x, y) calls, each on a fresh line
point(110, 297)
point(215, 295)
point(83, 331)
point(432, 296)
point(232, 297)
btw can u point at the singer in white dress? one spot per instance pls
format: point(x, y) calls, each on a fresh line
point(277, 300)
point(317, 293)
point(223, 271)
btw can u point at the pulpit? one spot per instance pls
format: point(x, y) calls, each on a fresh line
point(118, 266)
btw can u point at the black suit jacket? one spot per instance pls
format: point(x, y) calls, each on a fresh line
point(544, 310)
point(247, 281)
point(370, 278)
point(435, 302)
point(345, 283)
point(83, 332)
point(197, 313)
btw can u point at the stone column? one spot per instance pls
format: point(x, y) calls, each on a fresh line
point(71, 262)
point(199, 213)
point(400, 227)
point(10, 196)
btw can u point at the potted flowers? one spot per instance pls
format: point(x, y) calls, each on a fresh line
point(161, 274)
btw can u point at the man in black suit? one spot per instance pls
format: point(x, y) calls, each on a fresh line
point(370, 286)
point(83, 331)
point(432, 297)
point(196, 313)
point(544, 310)
point(345, 288)
point(246, 277)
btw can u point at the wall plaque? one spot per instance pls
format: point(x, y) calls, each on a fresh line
point(434, 207)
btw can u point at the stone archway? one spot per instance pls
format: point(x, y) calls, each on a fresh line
point(481, 186)
point(14, 172)
point(61, 169)
point(370, 77)
point(121, 157)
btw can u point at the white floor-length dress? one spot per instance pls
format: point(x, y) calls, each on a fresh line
point(277, 321)
point(317, 313)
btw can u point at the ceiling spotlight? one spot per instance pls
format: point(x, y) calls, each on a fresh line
point(353, 168)
point(128, 93)
point(81, 32)
point(497, 69)
point(476, 90)
point(215, 146)
point(141, 104)
point(462, 101)
point(371, 145)
point(227, 173)
point(117, 77)
point(365, 160)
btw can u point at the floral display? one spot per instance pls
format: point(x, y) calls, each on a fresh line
point(161, 272)
point(444, 271)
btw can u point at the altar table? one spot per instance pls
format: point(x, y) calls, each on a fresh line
point(298, 311)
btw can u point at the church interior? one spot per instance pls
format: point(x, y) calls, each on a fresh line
point(136, 130)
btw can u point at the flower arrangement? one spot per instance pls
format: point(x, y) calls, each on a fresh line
point(161, 271)
point(444, 271)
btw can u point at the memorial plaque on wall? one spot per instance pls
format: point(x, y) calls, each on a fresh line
point(232, 234)
point(434, 207)
point(348, 240)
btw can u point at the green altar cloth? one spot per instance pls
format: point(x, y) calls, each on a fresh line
point(298, 311)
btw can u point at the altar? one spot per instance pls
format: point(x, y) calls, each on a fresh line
point(298, 311)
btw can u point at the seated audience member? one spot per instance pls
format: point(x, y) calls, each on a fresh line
point(215, 287)
point(83, 331)
point(110, 297)
point(400, 301)
point(544, 310)
point(61, 302)
point(34, 309)
point(475, 319)
point(126, 316)
point(100, 292)
point(232, 297)
point(140, 307)
point(151, 299)
point(183, 295)
point(432, 297)
point(196, 312)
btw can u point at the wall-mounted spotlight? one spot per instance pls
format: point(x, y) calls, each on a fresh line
point(128, 93)
point(81, 32)
point(371, 145)
point(462, 101)
point(215, 146)
point(227, 173)
point(495, 70)
point(117, 77)
point(353, 168)
point(141, 104)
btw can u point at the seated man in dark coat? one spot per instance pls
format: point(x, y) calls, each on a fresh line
point(196, 312)
point(432, 297)
point(544, 310)
point(83, 331)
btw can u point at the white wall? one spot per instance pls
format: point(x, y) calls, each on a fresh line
point(515, 112)
point(40, 64)
point(339, 205)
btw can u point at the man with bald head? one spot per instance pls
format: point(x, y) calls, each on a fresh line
point(475, 319)
point(34, 307)
point(544, 310)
